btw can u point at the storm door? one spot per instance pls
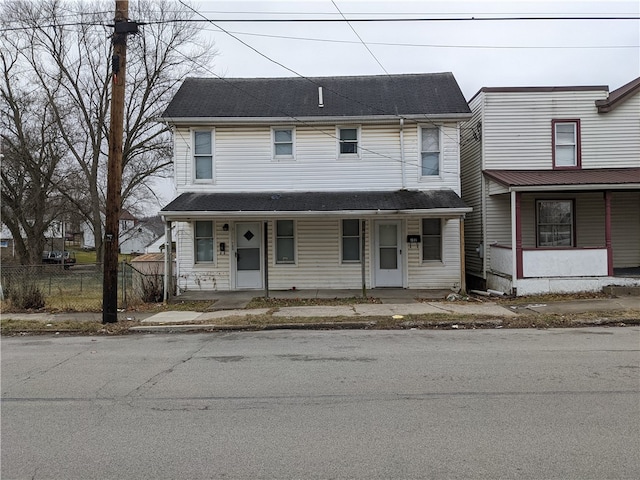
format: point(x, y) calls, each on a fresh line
point(248, 255)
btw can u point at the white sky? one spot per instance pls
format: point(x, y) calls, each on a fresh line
point(479, 53)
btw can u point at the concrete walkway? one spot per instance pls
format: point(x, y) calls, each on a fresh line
point(394, 302)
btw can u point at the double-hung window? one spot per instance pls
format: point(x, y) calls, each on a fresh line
point(348, 141)
point(285, 241)
point(431, 239)
point(203, 155)
point(555, 223)
point(283, 143)
point(350, 241)
point(430, 151)
point(204, 241)
point(566, 143)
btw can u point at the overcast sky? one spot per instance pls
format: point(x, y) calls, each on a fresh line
point(479, 53)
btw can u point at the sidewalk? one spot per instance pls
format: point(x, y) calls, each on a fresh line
point(394, 305)
point(476, 310)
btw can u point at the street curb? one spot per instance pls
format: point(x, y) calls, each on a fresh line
point(426, 324)
point(274, 326)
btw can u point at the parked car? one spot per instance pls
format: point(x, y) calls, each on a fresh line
point(56, 257)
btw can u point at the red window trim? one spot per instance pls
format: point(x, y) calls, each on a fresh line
point(578, 164)
point(574, 238)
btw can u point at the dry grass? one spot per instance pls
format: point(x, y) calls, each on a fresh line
point(261, 302)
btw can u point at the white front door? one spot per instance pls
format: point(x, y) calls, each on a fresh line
point(248, 255)
point(388, 254)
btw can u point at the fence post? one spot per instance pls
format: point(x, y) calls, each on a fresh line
point(124, 285)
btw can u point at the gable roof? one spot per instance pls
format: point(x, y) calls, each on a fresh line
point(277, 203)
point(432, 94)
point(618, 96)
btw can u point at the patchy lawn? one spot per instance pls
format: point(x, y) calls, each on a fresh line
point(261, 302)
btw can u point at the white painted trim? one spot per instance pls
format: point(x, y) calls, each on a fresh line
point(283, 158)
point(453, 117)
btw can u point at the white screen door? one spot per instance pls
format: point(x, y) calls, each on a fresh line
point(248, 255)
point(388, 254)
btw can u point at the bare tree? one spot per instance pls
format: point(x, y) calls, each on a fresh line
point(70, 63)
point(31, 156)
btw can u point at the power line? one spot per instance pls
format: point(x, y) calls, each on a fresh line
point(387, 20)
point(360, 38)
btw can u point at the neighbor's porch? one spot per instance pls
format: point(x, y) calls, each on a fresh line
point(563, 238)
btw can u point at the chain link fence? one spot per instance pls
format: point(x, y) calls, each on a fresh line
point(78, 288)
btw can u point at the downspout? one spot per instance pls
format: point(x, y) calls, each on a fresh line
point(402, 165)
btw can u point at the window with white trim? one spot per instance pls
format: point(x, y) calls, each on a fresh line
point(430, 151)
point(203, 155)
point(351, 241)
point(283, 142)
point(348, 141)
point(203, 240)
point(566, 144)
point(431, 239)
point(285, 241)
point(555, 223)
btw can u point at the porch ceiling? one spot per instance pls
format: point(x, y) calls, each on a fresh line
point(437, 202)
point(575, 179)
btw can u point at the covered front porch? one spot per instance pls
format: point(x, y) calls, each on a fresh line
point(580, 235)
point(316, 240)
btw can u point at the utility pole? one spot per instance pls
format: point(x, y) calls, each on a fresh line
point(122, 27)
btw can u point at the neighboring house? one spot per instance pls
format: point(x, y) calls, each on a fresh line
point(335, 182)
point(134, 235)
point(553, 176)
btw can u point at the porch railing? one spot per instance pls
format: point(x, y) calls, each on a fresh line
point(501, 259)
point(550, 262)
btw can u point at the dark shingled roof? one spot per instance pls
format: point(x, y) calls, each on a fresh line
point(413, 94)
point(315, 201)
point(595, 176)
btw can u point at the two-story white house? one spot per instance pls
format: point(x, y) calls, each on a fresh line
point(553, 176)
point(332, 182)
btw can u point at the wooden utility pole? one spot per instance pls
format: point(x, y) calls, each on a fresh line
point(122, 27)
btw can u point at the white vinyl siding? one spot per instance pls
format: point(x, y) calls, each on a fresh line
point(444, 274)
point(200, 276)
point(625, 229)
point(472, 186)
point(242, 149)
point(319, 264)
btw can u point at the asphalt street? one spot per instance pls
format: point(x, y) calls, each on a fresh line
point(529, 404)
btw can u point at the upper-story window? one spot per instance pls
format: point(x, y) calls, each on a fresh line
point(348, 141)
point(203, 155)
point(283, 143)
point(566, 143)
point(430, 151)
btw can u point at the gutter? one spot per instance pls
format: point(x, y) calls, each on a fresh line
point(430, 212)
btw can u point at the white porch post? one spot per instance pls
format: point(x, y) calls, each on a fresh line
point(168, 264)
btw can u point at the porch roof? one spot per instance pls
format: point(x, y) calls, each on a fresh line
point(584, 179)
point(434, 202)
